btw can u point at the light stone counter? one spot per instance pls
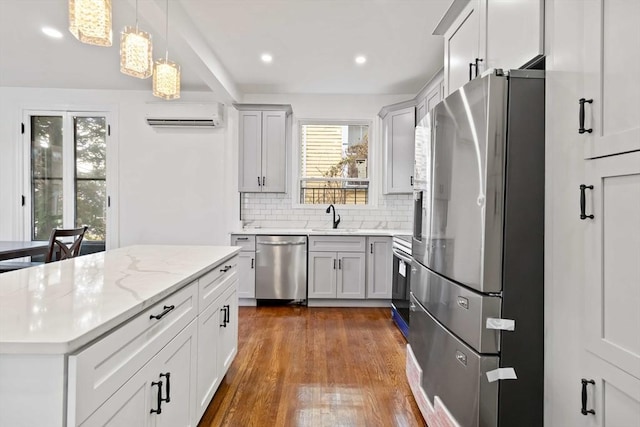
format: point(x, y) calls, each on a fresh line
point(322, 231)
point(59, 307)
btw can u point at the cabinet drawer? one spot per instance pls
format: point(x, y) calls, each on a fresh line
point(247, 243)
point(337, 243)
point(212, 284)
point(97, 371)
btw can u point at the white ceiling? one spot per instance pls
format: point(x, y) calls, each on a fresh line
point(219, 42)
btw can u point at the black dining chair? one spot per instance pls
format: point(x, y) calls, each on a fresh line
point(57, 250)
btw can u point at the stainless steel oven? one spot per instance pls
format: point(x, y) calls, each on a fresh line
point(401, 282)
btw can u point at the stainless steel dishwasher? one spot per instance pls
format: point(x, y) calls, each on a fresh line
point(281, 267)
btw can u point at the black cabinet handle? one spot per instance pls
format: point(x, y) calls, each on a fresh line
point(167, 309)
point(168, 388)
point(334, 263)
point(226, 268)
point(411, 179)
point(371, 249)
point(264, 181)
point(224, 317)
point(242, 238)
point(476, 65)
point(159, 398)
point(259, 182)
point(252, 262)
point(584, 410)
point(471, 65)
point(227, 310)
point(339, 264)
point(582, 101)
point(583, 201)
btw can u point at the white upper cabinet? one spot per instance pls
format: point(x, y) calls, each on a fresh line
point(487, 34)
point(399, 129)
point(514, 32)
point(262, 139)
point(611, 44)
point(462, 48)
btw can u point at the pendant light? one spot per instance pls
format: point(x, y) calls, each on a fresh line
point(90, 21)
point(166, 74)
point(136, 51)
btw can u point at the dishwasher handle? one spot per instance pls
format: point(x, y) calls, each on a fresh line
point(286, 243)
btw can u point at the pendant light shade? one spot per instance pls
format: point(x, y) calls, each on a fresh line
point(166, 79)
point(136, 53)
point(166, 74)
point(90, 21)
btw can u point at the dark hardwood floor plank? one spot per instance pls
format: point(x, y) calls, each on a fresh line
point(299, 366)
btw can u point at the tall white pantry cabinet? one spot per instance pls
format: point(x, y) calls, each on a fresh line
point(592, 274)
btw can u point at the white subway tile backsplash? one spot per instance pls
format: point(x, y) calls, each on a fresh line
point(275, 211)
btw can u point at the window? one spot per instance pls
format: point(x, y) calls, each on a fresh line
point(67, 174)
point(334, 163)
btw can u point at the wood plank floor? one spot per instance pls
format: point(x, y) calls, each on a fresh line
point(299, 366)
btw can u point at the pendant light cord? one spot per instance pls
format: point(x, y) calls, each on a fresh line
point(136, 16)
point(166, 33)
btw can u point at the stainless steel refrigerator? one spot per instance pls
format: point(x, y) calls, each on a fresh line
point(477, 276)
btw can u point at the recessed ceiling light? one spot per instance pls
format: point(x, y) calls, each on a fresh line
point(52, 32)
point(361, 59)
point(266, 58)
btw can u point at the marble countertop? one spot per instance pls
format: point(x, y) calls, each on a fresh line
point(59, 307)
point(323, 231)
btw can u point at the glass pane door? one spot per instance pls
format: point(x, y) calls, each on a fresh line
point(90, 145)
point(46, 175)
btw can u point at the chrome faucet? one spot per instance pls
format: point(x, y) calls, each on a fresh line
point(335, 223)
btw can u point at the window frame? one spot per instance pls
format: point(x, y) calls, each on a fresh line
point(25, 227)
point(372, 159)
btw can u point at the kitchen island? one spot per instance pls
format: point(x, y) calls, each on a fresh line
point(121, 336)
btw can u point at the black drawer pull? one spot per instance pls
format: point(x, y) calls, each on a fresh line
point(159, 398)
point(252, 261)
point(583, 201)
point(582, 101)
point(226, 313)
point(167, 309)
point(242, 238)
point(584, 410)
point(168, 388)
point(259, 182)
point(226, 268)
point(224, 317)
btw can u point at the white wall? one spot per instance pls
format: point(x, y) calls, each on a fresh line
point(275, 210)
point(175, 186)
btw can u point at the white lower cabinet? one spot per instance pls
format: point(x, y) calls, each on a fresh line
point(336, 275)
point(247, 272)
point(379, 266)
point(161, 368)
point(159, 394)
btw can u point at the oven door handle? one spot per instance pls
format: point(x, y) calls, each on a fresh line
point(401, 255)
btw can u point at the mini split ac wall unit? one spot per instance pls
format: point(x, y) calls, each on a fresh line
point(185, 115)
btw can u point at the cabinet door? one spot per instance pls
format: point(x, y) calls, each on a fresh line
point(129, 406)
point(209, 375)
point(351, 275)
point(175, 366)
point(379, 266)
point(514, 32)
point(322, 275)
point(229, 329)
point(611, 35)
point(461, 47)
point(614, 396)
point(400, 131)
point(247, 275)
point(249, 151)
point(612, 260)
point(274, 143)
point(433, 97)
